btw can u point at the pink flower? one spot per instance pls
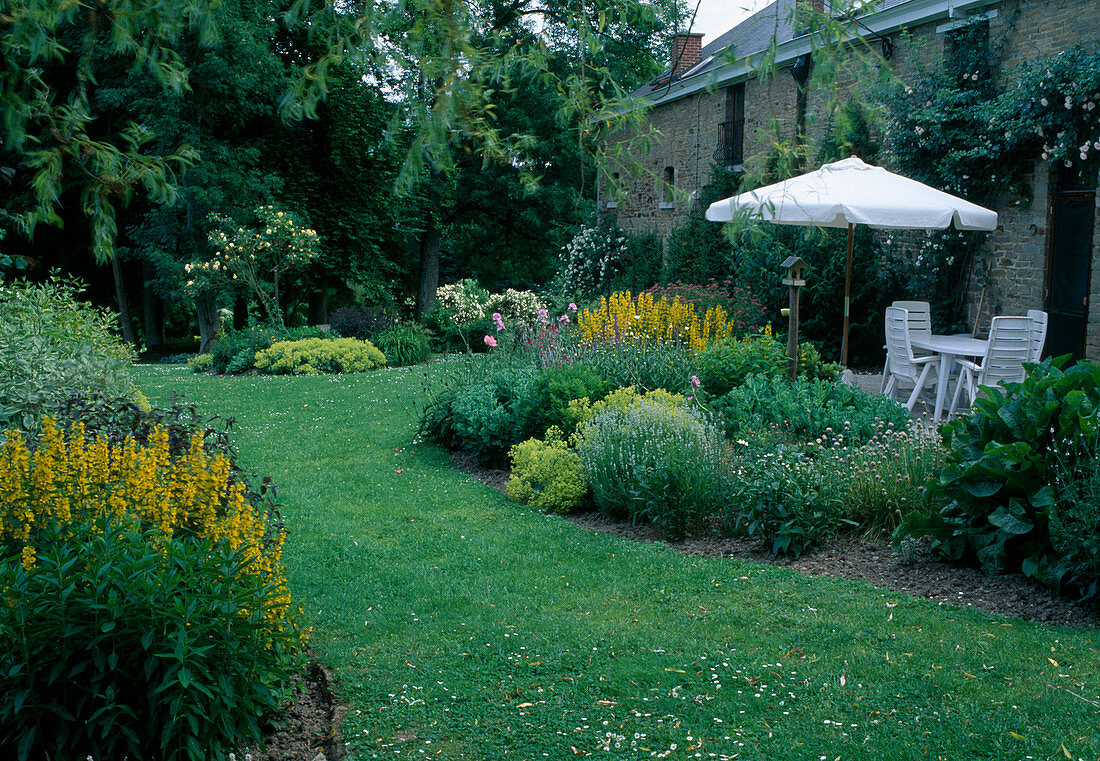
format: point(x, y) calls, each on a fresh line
point(544, 316)
point(498, 321)
point(564, 318)
point(695, 381)
point(490, 341)
point(572, 307)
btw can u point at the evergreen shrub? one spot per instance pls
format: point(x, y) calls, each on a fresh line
point(357, 322)
point(235, 353)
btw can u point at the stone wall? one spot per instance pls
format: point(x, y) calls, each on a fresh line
point(687, 137)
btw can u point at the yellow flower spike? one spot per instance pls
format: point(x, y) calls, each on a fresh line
point(28, 558)
point(14, 472)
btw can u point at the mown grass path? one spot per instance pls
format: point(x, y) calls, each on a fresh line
point(463, 626)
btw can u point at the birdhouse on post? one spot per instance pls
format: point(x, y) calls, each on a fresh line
point(794, 281)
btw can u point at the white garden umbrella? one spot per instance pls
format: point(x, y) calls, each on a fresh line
point(850, 192)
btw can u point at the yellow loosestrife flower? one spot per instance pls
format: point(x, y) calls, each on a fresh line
point(625, 319)
point(70, 479)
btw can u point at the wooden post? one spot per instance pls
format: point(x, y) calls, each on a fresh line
point(794, 280)
point(847, 297)
point(792, 333)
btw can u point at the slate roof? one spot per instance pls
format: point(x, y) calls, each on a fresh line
point(751, 36)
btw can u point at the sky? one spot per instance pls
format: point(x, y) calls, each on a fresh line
point(716, 17)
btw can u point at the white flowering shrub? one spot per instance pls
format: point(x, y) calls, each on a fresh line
point(462, 303)
point(589, 260)
point(514, 306)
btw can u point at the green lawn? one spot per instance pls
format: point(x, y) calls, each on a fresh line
point(463, 626)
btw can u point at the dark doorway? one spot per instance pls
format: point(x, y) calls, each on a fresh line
point(1069, 265)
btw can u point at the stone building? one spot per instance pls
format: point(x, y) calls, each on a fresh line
point(712, 107)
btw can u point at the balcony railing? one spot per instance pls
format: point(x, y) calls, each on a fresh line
point(731, 139)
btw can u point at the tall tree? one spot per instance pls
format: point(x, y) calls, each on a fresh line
point(51, 58)
point(468, 65)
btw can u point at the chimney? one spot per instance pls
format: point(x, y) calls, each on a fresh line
point(687, 50)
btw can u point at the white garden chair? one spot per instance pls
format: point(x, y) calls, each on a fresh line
point(901, 364)
point(920, 324)
point(1010, 345)
point(1039, 321)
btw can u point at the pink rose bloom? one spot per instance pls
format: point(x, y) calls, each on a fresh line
point(490, 341)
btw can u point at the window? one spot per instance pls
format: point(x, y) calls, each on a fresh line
point(669, 186)
point(966, 52)
point(731, 131)
point(614, 191)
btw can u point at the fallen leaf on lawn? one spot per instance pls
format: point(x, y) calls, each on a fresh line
point(525, 705)
point(1053, 662)
point(606, 702)
point(1068, 754)
point(1018, 737)
point(678, 671)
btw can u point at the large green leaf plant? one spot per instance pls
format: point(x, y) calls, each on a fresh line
point(992, 501)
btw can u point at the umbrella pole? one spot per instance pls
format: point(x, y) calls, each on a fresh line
point(847, 297)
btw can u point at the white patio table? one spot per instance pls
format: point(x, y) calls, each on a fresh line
point(947, 348)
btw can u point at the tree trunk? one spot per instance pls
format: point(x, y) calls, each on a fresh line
point(209, 324)
point(123, 306)
point(429, 270)
point(240, 313)
point(277, 311)
point(153, 311)
point(318, 303)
